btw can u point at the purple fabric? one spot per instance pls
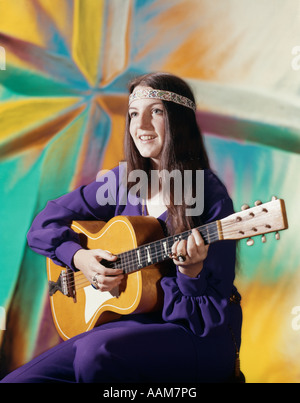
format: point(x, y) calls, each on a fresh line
point(190, 340)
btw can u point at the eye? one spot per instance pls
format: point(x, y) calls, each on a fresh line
point(157, 111)
point(132, 114)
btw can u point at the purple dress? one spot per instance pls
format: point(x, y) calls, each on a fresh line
point(189, 340)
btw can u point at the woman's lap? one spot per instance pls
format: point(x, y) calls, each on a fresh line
point(129, 351)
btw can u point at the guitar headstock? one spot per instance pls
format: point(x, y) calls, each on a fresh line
point(258, 220)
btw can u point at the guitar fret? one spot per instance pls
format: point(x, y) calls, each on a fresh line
point(136, 261)
point(153, 253)
point(144, 255)
point(118, 263)
point(148, 256)
point(207, 233)
point(203, 234)
point(138, 254)
point(160, 250)
point(123, 261)
point(141, 256)
point(165, 248)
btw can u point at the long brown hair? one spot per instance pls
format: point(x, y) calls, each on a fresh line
point(183, 147)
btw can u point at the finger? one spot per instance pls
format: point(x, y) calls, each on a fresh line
point(110, 280)
point(197, 237)
point(108, 256)
point(191, 246)
point(179, 252)
point(199, 240)
point(105, 254)
point(106, 271)
point(103, 267)
point(181, 248)
point(174, 247)
point(201, 246)
point(105, 283)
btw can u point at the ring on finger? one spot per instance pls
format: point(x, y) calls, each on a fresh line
point(181, 257)
point(95, 281)
point(173, 255)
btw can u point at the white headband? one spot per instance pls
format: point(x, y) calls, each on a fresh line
point(164, 96)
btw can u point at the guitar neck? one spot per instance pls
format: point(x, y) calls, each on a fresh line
point(158, 251)
point(258, 220)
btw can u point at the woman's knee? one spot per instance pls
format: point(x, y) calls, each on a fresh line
point(100, 360)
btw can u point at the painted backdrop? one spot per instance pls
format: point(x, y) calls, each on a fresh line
point(64, 69)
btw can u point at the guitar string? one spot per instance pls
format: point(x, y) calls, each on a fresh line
point(160, 254)
point(80, 280)
point(79, 283)
point(132, 260)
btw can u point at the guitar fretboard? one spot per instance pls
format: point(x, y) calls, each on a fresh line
point(158, 251)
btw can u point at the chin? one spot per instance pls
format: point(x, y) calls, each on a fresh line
point(147, 154)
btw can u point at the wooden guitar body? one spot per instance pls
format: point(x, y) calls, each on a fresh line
point(86, 307)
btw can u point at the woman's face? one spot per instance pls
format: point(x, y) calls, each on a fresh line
point(147, 126)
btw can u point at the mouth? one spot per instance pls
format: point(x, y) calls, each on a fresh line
point(146, 137)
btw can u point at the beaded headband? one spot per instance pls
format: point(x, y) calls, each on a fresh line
point(164, 96)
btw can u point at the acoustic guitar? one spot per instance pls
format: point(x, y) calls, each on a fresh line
point(143, 252)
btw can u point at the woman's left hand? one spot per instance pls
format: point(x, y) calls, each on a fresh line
point(193, 252)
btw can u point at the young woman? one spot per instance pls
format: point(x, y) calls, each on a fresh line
point(194, 337)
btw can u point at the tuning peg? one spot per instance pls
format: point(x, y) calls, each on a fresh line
point(258, 203)
point(245, 207)
point(274, 198)
point(277, 236)
point(250, 242)
point(263, 239)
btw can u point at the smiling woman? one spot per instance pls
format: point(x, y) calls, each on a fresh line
point(178, 141)
point(147, 128)
point(200, 311)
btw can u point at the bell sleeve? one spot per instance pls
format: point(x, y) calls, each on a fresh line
point(200, 304)
point(50, 234)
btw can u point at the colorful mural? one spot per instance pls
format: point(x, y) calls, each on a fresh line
point(64, 70)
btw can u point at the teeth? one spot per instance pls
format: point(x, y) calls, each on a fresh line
point(147, 137)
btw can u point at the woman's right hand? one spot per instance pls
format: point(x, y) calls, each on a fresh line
point(89, 263)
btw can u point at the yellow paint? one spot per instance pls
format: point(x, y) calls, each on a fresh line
point(17, 117)
point(270, 347)
point(116, 44)
point(87, 37)
point(18, 18)
point(117, 108)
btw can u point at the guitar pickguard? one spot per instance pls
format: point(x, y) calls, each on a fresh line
point(95, 299)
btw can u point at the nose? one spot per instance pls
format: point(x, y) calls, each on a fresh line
point(144, 120)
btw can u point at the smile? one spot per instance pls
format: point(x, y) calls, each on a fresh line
point(146, 137)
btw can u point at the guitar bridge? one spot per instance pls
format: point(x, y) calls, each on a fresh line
point(64, 284)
